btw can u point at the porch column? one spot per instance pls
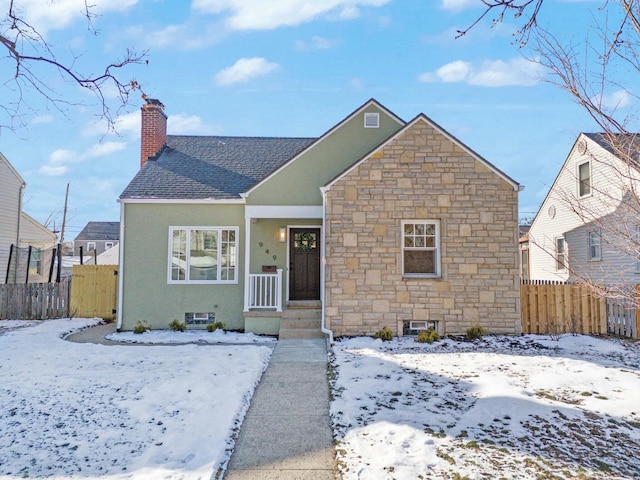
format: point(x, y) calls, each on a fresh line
point(247, 257)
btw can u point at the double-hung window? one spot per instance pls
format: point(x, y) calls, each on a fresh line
point(584, 179)
point(421, 248)
point(595, 246)
point(203, 255)
point(561, 254)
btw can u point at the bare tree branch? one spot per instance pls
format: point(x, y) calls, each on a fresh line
point(26, 48)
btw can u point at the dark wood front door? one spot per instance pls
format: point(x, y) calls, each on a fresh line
point(304, 267)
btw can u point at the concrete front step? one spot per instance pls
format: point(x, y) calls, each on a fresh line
point(301, 323)
point(299, 333)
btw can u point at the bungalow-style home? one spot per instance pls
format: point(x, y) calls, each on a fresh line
point(588, 226)
point(25, 244)
point(377, 223)
point(96, 238)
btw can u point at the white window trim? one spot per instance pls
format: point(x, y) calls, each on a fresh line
point(590, 236)
point(186, 281)
point(564, 254)
point(91, 246)
point(369, 122)
point(436, 249)
point(579, 182)
point(108, 245)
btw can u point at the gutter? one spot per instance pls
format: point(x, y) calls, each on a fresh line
point(323, 263)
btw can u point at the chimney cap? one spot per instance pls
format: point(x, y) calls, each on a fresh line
point(152, 102)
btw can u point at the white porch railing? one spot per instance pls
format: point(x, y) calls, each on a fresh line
point(265, 291)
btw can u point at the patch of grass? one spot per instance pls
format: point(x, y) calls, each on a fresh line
point(445, 457)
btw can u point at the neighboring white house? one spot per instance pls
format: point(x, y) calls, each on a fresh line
point(20, 230)
point(588, 226)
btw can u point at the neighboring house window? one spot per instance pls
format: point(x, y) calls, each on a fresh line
point(584, 179)
point(91, 246)
point(35, 262)
point(595, 246)
point(561, 254)
point(108, 245)
point(203, 255)
point(524, 259)
point(421, 248)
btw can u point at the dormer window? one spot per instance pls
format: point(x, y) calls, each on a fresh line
point(371, 120)
point(584, 179)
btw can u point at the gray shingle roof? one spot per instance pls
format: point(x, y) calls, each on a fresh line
point(199, 167)
point(621, 145)
point(100, 231)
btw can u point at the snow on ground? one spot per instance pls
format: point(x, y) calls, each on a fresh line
point(500, 407)
point(189, 336)
point(71, 410)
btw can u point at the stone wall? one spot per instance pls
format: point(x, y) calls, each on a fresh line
point(418, 175)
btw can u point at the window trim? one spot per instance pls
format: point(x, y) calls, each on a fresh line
point(592, 235)
point(89, 245)
point(580, 182)
point(108, 245)
point(188, 281)
point(564, 254)
point(436, 249)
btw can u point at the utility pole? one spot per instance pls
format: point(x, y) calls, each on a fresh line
point(64, 221)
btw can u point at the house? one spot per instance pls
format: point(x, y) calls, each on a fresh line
point(588, 225)
point(96, 238)
point(378, 222)
point(26, 246)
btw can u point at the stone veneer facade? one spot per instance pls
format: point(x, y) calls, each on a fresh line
point(420, 174)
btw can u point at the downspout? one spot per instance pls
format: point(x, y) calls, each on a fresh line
point(323, 263)
point(518, 189)
point(120, 268)
point(20, 194)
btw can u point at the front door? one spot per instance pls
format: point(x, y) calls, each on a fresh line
point(304, 267)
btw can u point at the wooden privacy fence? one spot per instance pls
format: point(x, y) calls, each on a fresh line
point(561, 308)
point(94, 291)
point(34, 301)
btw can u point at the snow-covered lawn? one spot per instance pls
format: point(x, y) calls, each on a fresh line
point(502, 407)
point(71, 410)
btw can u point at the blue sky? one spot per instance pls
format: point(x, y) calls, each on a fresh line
point(290, 68)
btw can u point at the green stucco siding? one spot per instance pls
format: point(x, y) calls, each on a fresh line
point(147, 295)
point(299, 182)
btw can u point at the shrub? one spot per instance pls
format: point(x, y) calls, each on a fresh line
point(474, 333)
point(385, 334)
point(141, 327)
point(428, 336)
point(212, 327)
point(177, 326)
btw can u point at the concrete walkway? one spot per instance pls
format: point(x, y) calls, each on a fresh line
point(286, 433)
point(95, 334)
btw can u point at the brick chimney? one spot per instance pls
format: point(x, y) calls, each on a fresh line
point(153, 129)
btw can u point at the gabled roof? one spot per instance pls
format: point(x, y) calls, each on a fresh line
point(38, 226)
point(99, 231)
point(516, 186)
point(211, 167)
point(627, 145)
point(11, 169)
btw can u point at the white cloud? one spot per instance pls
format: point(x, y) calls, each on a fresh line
point(104, 148)
point(316, 43)
point(51, 171)
point(127, 124)
point(59, 14)
point(61, 156)
point(42, 119)
point(244, 70)
point(458, 5)
point(515, 72)
point(265, 15)
point(615, 100)
point(183, 124)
